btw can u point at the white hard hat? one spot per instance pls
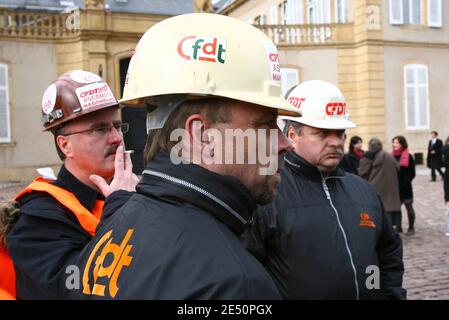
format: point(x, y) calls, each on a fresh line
point(203, 55)
point(322, 105)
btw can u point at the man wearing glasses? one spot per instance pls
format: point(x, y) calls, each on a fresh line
point(59, 217)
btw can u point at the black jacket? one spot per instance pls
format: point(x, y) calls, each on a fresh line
point(434, 160)
point(183, 228)
point(445, 153)
point(318, 233)
point(47, 238)
point(350, 163)
point(406, 176)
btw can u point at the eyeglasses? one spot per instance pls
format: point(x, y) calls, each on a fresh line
point(102, 131)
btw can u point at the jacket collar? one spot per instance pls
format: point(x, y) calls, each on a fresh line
point(300, 165)
point(86, 195)
point(226, 198)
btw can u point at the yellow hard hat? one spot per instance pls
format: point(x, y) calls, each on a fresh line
point(204, 54)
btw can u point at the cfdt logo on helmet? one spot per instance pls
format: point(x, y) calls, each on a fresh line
point(336, 108)
point(296, 101)
point(210, 49)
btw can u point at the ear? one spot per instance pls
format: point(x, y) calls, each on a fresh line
point(196, 125)
point(291, 134)
point(64, 143)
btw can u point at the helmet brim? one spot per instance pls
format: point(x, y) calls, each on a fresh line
point(335, 124)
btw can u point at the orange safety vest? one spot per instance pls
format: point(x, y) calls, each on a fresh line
point(88, 221)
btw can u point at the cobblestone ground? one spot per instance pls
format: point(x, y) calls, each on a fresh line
point(426, 254)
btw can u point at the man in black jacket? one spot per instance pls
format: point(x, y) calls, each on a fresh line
point(178, 236)
point(326, 235)
point(53, 228)
point(434, 156)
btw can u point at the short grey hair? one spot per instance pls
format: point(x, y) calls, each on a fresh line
point(295, 125)
point(375, 145)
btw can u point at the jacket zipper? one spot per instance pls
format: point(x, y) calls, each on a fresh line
point(328, 195)
point(197, 189)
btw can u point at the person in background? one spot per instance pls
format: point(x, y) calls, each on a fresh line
point(351, 159)
point(381, 170)
point(434, 156)
point(406, 174)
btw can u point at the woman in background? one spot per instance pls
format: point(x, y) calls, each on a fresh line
point(406, 175)
point(350, 162)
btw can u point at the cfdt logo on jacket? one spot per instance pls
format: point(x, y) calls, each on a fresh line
point(100, 272)
point(366, 221)
point(210, 49)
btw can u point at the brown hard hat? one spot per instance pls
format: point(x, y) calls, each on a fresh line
point(74, 94)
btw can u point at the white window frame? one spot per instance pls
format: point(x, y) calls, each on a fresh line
point(326, 11)
point(341, 16)
point(299, 11)
point(322, 9)
point(283, 10)
point(294, 12)
point(438, 23)
point(415, 68)
point(274, 14)
point(315, 17)
point(7, 138)
point(411, 13)
point(284, 85)
point(400, 19)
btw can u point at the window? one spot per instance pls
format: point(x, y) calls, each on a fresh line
point(405, 12)
point(434, 13)
point(294, 12)
point(396, 13)
point(416, 98)
point(274, 15)
point(283, 13)
point(341, 11)
point(289, 78)
point(5, 129)
point(412, 11)
point(318, 11)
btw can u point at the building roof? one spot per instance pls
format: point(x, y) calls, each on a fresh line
point(158, 7)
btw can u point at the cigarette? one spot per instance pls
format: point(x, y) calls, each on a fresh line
point(128, 151)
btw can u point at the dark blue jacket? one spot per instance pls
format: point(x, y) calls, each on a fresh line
point(320, 237)
point(176, 238)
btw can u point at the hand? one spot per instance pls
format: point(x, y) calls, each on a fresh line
point(432, 152)
point(124, 178)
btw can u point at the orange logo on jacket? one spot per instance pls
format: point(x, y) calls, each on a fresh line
point(121, 258)
point(366, 221)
